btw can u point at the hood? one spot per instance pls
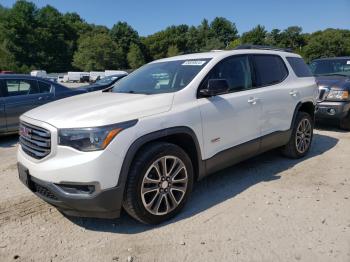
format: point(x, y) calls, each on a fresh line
point(100, 108)
point(333, 81)
point(91, 86)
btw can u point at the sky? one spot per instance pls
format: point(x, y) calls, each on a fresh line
point(150, 16)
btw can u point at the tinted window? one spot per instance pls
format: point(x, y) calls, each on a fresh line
point(15, 87)
point(44, 87)
point(299, 67)
point(235, 70)
point(269, 69)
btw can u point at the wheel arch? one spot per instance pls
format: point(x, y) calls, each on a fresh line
point(308, 107)
point(182, 136)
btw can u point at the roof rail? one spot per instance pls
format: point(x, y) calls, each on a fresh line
point(263, 47)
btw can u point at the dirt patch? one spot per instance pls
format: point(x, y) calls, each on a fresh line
point(266, 209)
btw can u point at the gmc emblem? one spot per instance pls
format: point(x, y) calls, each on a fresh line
point(23, 131)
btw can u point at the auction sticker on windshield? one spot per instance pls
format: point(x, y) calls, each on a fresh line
point(194, 63)
point(348, 62)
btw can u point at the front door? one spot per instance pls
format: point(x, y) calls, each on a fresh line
point(231, 119)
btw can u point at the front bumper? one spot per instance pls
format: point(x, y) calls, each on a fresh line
point(100, 204)
point(332, 111)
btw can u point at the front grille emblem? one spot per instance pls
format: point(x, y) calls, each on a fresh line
point(23, 131)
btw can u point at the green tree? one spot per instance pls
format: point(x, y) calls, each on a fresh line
point(328, 43)
point(159, 43)
point(19, 30)
point(79, 26)
point(234, 43)
point(274, 38)
point(256, 36)
point(124, 35)
point(55, 40)
point(292, 38)
point(223, 30)
point(7, 61)
point(172, 51)
point(97, 52)
point(213, 44)
point(135, 56)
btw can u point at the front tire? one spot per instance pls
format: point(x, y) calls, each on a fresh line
point(345, 123)
point(159, 183)
point(300, 141)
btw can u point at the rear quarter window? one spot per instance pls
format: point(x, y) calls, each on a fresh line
point(269, 70)
point(299, 67)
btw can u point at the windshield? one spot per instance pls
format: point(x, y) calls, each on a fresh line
point(161, 77)
point(331, 67)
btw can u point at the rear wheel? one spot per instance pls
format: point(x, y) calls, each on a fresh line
point(301, 138)
point(159, 183)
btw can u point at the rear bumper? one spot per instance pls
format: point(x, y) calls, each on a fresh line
point(102, 204)
point(332, 111)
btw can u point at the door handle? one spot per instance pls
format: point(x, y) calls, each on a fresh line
point(253, 100)
point(43, 97)
point(294, 93)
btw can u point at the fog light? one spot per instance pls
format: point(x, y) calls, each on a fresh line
point(331, 111)
point(77, 189)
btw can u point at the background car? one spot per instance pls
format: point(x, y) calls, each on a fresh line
point(333, 79)
point(20, 93)
point(104, 83)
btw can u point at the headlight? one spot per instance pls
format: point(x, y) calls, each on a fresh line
point(91, 138)
point(337, 95)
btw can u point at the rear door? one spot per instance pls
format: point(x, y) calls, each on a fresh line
point(3, 127)
point(278, 103)
point(21, 96)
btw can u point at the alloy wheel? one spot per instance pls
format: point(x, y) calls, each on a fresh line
point(164, 185)
point(303, 136)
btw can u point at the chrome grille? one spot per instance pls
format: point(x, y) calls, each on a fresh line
point(35, 141)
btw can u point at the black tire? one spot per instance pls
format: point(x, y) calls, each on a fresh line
point(345, 123)
point(290, 150)
point(133, 203)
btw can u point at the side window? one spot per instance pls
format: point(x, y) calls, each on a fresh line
point(15, 87)
point(269, 70)
point(44, 87)
point(299, 67)
point(235, 70)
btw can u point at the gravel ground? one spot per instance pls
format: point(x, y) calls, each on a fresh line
point(266, 209)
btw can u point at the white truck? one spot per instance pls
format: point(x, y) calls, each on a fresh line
point(96, 75)
point(114, 72)
point(39, 73)
point(74, 76)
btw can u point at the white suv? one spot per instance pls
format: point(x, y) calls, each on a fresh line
point(142, 144)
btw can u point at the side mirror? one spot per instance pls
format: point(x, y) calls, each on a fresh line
point(215, 87)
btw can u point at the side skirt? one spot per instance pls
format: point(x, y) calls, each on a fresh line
point(245, 151)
